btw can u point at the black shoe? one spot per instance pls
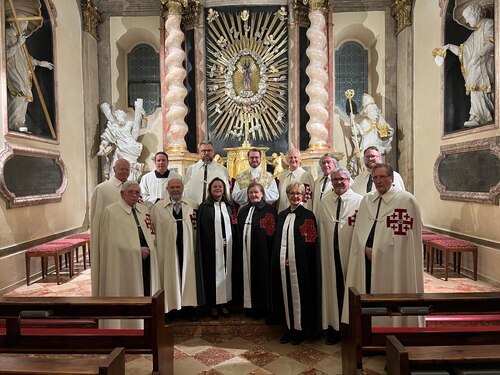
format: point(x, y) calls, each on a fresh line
point(225, 312)
point(190, 314)
point(287, 337)
point(297, 337)
point(332, 336)
point(214, 314)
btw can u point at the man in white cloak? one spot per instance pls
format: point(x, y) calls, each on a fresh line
point(103, 195)
point(386, 252)
point(323, 184)
point(295, 173)
point(174, 221)
point(363, 183)
point(199, 175)
point(128, 259)
point(336, 218)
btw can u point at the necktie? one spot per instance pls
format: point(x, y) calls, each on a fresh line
point(142, 239)
point(339, 275)
point(369, 183)
point(205, 175)
point(325, 180)
point(177, 208)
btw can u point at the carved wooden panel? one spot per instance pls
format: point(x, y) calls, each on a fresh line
point(30, 176)
point(469, 171)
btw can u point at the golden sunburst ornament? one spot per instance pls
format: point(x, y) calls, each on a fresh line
point(247, 73)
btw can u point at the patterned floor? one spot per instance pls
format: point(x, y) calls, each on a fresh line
point(249, 353)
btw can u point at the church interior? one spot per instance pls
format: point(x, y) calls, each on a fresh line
point(275, 75)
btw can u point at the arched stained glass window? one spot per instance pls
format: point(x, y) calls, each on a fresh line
point(143, 64)
point(351, 72)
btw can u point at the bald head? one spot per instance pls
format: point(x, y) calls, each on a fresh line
point(122, 169)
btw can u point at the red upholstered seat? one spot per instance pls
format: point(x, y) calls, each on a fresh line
point(455, 246)
point(46, 248)
point(82, 236)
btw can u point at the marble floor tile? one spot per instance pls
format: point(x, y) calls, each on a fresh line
point(213, 356)
point(236, 366)
point(260, 356)
point(189, 366)
point(307, 355)
point(193, 346)
point(285, 366)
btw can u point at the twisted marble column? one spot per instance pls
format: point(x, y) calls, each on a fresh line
point(318, 78)
point(174, 79)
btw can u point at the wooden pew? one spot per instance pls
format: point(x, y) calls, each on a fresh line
point(113, 364)
point(402, 359)
point(155, 339)
point(359, 336)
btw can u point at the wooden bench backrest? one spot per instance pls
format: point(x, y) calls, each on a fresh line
point(155, 339)
point(362, 307)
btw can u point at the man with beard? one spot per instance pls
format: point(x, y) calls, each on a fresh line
point(336, 218)
point(323, 184)
point(363, 182)
point(254, 174)
point(386, 252)
point(199, 175)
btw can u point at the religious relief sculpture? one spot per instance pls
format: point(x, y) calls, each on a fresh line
point(247, 74)
point(21, 65)
point(477, 61)
point(121, 136)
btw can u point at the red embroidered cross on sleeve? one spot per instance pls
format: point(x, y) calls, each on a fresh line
point(268, 223)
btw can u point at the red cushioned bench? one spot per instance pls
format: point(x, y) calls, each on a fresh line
point(456, 247)
point(155, 338)
point(360, 336)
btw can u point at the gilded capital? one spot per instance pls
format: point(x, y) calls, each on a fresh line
point(91, 17)
point(317, 5)
point(300, 11)
point(401, 11)
point(175, 7)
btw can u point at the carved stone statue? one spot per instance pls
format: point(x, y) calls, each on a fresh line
point(373, 130)
point(121, 136)
point(477, 60)
point(19, 75)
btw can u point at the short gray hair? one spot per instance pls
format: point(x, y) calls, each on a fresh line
point(128, 184)
point(341, 170)
point(328, 155)
point(206, 142)
point(291, 150)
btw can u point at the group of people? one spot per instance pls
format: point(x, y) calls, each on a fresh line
point(283, 250)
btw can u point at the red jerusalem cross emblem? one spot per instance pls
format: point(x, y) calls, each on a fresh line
point(308, 230)
point(268, 224)
point(149, 224)
point(351, 220)
point(400, 222)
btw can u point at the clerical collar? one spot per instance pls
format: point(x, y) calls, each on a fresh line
point(164, 175)
point(255, 170)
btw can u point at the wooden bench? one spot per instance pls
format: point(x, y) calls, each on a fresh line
point(85, 247)
point(456, 247)
point(113, 364)
point(426, 238)
point(360, 336)
point(402, 359)
point(155, 338)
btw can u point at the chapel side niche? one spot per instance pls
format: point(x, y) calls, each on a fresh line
point(39, 121)
point(457, 103)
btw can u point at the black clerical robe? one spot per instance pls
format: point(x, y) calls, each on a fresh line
point(216, 242)
point(296, 271)
point(252, 261)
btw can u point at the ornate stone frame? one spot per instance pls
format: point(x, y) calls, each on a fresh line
point(493, 145)
point(30, 200)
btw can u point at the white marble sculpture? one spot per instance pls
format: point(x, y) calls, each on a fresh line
point(19, 75)
point(373, 130)
point(121, 136)
point(477, 60)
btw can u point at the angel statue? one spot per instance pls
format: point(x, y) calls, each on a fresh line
point(477, 61)
point(121, 136)
point(278, 162)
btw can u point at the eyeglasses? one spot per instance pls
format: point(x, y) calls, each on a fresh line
point(133, 192)
point(206, 151)
point(294, 193)
point(340, 179)
point(381, 178)
point(371, 156)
